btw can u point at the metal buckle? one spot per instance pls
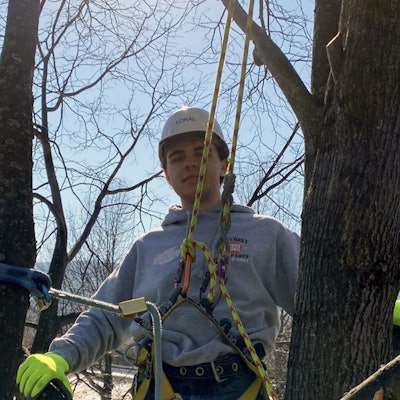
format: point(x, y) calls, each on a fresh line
point(215, 369)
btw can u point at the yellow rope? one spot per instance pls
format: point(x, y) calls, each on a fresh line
point(209, 131)
point(237, 320)
point(188, 246)
point(256, 360)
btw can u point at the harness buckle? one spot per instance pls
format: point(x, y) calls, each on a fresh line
point(217, 370)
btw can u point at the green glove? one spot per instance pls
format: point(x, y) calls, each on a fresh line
point(396, 313)
point(35, 373)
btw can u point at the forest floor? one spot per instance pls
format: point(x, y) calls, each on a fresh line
point(83, 390)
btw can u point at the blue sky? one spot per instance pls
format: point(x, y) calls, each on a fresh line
point(264, 126)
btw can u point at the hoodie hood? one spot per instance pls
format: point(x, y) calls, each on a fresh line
point(176, 214)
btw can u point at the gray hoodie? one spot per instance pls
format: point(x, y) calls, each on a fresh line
point(262, 273)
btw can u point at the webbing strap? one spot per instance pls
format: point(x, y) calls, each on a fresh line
point(167, 392)
point(36, 282)
point(143, 389)
point(252, 391)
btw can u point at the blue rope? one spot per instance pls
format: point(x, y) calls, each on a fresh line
point(36, 282)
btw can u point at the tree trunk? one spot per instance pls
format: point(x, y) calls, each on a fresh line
point(17, 241)
point(349, 272)
point(47, 328)
point(107, 378)
point(49, 321)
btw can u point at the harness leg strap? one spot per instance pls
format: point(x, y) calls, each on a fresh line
point(252, 391)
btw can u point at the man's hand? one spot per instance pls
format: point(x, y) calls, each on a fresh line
point(35, 373)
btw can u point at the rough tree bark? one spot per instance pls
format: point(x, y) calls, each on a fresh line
point(17, 242)
point(349, 272)
point(349, 263)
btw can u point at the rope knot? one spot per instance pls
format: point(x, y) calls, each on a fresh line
point(188, 249)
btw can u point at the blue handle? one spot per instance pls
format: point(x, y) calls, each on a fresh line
point(38, 283)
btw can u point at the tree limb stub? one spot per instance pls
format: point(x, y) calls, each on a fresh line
point(383, 384)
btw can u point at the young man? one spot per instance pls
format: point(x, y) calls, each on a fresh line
point(262, 270)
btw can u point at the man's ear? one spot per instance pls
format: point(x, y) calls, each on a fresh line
point(224, 167)
point(166, 174)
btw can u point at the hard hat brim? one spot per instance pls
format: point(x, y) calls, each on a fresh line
point(188, 136)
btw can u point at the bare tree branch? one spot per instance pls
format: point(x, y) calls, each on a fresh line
point(384, 383)
point(258, 194)
point(269, 54)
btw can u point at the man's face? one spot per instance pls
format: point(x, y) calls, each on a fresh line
point(183, 161)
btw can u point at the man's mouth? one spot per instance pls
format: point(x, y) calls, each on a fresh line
point(191, 178)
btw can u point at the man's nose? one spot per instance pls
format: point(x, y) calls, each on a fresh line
point(191, 161)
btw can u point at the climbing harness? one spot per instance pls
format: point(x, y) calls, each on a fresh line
point(212, 369)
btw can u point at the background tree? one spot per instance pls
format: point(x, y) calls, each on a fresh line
point(102, 251)
point(74, 112)
point(349, 275)
point(17, 240)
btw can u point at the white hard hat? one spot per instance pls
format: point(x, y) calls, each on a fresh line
point(190, 120)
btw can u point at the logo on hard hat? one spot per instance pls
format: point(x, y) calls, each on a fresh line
point(185, 119)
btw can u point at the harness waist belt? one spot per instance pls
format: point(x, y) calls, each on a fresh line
point(220, 370)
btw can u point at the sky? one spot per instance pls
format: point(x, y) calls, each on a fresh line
point(264, 124)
